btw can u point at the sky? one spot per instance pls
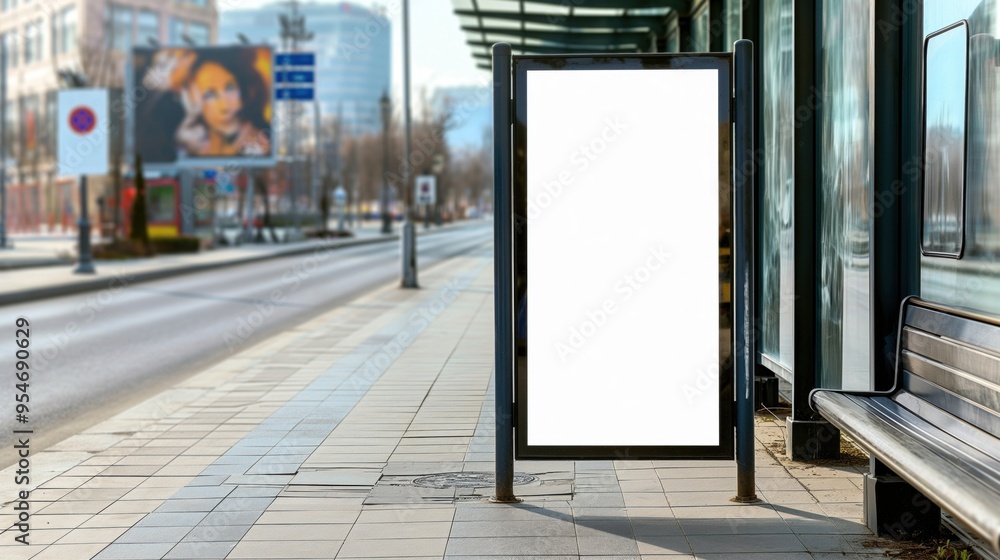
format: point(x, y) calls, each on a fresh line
point(438, 53)
point(439, 56)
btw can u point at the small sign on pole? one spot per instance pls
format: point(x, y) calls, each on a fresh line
point(426, 189)
point(82, 138)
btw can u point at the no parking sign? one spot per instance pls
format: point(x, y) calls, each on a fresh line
point(83, 132)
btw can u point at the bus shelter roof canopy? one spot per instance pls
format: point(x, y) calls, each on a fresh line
point(539, 27)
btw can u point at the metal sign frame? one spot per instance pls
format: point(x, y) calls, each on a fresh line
point(721, 63)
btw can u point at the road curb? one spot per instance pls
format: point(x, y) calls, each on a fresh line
point(78, 287)
point(146, 276)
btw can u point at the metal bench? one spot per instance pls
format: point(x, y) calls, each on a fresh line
point(939, 427)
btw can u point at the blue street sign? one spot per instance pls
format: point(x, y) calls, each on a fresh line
point(295, 77)
point(296, 93)
point(295, 59)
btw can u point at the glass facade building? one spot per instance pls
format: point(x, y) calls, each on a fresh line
point(353, 54)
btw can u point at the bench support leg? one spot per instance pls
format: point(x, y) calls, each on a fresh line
point(895, 509)
point(809, 440)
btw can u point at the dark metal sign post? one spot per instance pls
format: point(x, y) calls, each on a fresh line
point(744, 240)
point(503, 283)
point(668, 375)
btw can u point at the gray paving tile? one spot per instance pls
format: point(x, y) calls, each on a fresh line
point(217, 533)
point(197, 550)
point(607, 544)
point(256, 491)
point(244, 504)
point(703, 544)
point(490, 546)
point(761, 556)
point(599, 527)
point(217, 518)
point(188, 505)
point(202, 492)
point(507, 513)
point(182, 519)
point(153, 535)
point(655, 527)
point(134, 551)
point(338, 477)
point(825, 543)
point(599, 499)
point(663, 545)
point(512, 529)
point(733, 526)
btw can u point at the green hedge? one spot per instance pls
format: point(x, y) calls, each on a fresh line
point(172, 245)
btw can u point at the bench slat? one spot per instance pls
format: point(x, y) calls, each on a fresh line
point(974, 388)
point(959, 478)
point(959, 428)
point(984, 335)
point(919, 388)
point(969, 359)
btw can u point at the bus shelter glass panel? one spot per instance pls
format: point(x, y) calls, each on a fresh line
point(622, 226)
point(972, 281)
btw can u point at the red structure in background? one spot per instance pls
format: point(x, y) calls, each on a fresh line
point(162, 208)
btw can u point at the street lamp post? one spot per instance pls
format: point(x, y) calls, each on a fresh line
point(3, 142)
point(293, 31)
point(409, 272)
point(386, 106)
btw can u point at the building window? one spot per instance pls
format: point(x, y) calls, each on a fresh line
point(198, 33)
point(13, 145)
point(51, 121)
point(10, 39)
point(176, 31)
point(149, 26)
point(67, 30)
point(33, 41)
point(777, 241)
point(120, 27)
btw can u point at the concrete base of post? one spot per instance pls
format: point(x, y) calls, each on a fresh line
point(753, 499)
point(85, 268)
point(808, 440)
point(510, 500)
point(897, 510)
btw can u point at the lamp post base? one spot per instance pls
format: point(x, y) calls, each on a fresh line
point(409, 255)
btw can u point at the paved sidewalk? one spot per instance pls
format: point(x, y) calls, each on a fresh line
point(26, 284)
point(366, 432)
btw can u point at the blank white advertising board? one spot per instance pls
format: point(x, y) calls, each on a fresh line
point(622, 206)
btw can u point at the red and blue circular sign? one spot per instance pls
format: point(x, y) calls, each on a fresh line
point(82, 120)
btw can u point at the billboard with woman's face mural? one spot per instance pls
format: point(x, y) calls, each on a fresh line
point(203, 106)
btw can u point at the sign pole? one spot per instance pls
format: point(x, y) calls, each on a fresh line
point(3, 143)
point(503, 370)
point(744, 184)
point(86, 264)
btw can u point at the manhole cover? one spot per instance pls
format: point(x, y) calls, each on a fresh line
point(467, 480)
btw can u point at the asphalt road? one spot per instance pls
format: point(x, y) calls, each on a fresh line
point(135, 343)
